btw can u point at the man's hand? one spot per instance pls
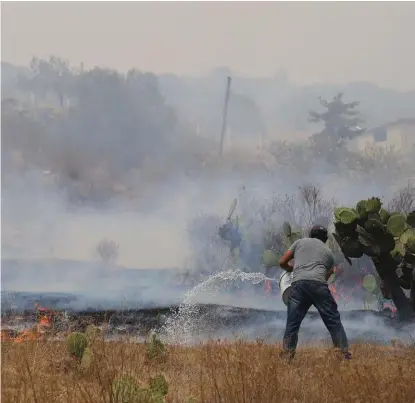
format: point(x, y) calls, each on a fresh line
point(286, 261)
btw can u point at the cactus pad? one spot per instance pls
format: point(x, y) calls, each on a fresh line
point(408, 240)
point(373, 226)
point(364, 237)
point(373, 205)
point(352, 249)
point(361, 209)
point(287, 229)
point(270, 258)
point(397, 225)
point(345, 215)
point(345, 229)
point(397, 255)
point(369, 282)
point(384, 216)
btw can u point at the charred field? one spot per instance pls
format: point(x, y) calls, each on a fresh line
point(235, 356)
point(134, 303)
point(208, 320)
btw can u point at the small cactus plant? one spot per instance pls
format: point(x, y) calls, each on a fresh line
point(155, 348)
point(77, 343)
point(86, 360)
point(126, 390)
point(159, 385)
point(92, 333)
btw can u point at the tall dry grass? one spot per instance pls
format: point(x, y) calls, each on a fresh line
point(215, 372)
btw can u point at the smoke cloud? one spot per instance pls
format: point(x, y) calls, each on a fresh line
point(117, 157)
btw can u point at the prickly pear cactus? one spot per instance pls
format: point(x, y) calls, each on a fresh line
point(373, 205)
point(86, 360)
point(384, 216)
point(361, 210)
point(411, 219)
point(285, 238)
point(270, 258)
point(159, 385)
point(345, 215)
point(77, 343)
point(92, 333)
point(385, 237)
point(397, 225)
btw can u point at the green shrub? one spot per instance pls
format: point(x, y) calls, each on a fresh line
point(159, 385)
point(86, 361)
point(92, 333)
point(77, 343)
point(155, 348)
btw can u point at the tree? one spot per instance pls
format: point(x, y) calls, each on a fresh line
point(107, 250)
point(121, 118)
point(341, 120)
point(52, 76)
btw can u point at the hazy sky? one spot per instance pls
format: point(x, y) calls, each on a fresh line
point(313, 42)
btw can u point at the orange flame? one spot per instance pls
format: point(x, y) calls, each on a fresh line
point(28, 335)
point(44, 321)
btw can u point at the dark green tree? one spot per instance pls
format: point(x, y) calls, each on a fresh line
point(341, 120)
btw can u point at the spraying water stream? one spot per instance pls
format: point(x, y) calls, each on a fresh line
point(194, 322)
point(183, 326)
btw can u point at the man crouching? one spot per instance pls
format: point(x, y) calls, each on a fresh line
point(313, 265)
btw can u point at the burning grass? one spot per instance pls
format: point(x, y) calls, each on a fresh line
point(234, 372)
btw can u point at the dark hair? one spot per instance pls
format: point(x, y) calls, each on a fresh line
point(319, 232)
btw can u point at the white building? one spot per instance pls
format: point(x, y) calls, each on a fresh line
point(399, 135)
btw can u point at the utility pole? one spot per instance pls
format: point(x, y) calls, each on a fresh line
point(225, 114)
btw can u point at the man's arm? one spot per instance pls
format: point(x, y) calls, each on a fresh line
point(285, 261)
point(332, 269)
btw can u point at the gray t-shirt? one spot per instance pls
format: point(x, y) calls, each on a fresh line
point(312, 260)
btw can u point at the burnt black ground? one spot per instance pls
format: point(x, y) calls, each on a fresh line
point(219, 321)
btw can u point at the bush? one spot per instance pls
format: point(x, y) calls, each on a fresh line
point(126, 390)
point(261, 221)
point(107, 250)
point(155, 348)
point(159, 385)
point(77, 343)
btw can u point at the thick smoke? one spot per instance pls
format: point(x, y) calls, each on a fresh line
point(99, 172)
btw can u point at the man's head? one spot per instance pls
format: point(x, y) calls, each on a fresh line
point(319, 232)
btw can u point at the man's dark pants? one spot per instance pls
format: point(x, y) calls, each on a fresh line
point(303, 294)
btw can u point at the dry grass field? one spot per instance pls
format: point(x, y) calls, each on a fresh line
point(215, 372)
